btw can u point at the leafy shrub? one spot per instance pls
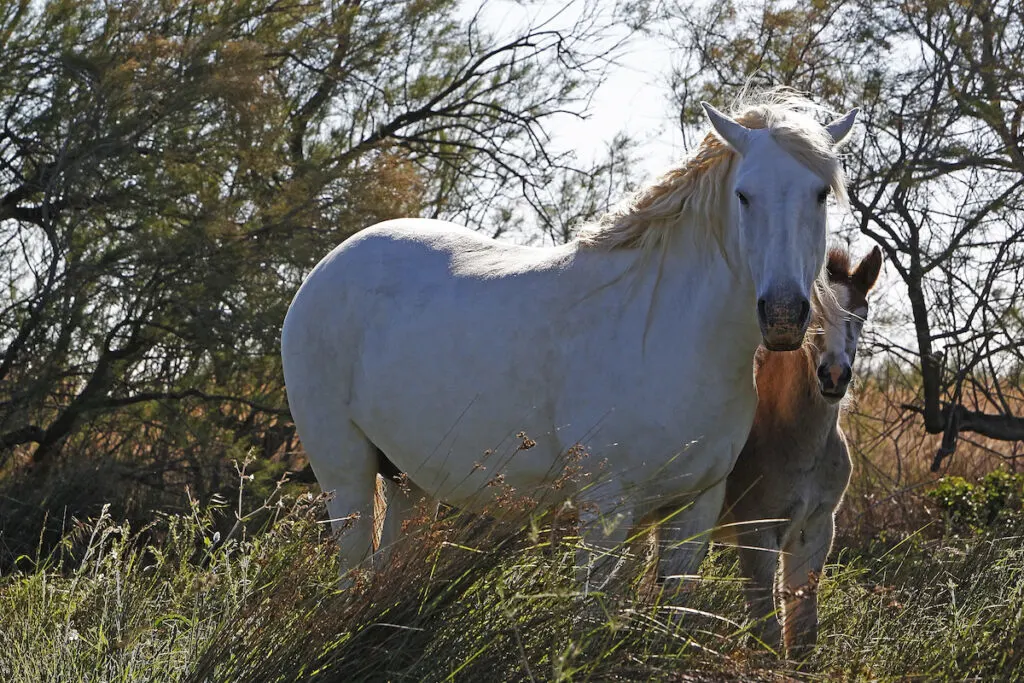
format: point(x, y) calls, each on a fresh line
point(993, 501)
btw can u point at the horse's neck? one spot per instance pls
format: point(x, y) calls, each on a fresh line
point(788, 393)
point(698, 285)
point(686, 298)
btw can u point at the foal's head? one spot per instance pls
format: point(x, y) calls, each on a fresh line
point(837, 343)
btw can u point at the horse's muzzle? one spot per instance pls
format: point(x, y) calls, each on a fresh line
point(783, 321)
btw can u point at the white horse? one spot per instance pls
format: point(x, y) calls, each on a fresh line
point(425, 347)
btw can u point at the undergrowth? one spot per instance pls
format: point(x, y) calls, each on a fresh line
point(470, 599)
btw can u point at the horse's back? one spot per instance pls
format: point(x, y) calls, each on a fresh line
point(404, 268)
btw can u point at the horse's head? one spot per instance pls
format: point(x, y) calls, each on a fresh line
point(785, 169)
point(840, 331)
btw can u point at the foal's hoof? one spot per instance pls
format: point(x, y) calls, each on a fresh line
point(800, 653)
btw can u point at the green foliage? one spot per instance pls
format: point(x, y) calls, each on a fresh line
point(171, 169)
point(995, 501)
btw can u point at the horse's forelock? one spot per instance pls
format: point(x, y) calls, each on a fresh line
point(787, 118)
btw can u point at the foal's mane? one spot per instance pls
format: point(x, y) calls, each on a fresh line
point(825, 306)
point(693, 195)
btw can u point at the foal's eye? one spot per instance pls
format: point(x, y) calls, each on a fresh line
point(743, 198)
point(823, 196)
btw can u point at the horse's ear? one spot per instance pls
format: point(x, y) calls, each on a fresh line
point(866, 274)
point(736, 135)
point(840, 128)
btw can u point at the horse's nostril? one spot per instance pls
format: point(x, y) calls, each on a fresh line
point(805, 312)
point(762, 311)
point(823, 373)
point(847, 375)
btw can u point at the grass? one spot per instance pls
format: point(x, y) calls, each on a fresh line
point(249, 591)
point(469, 600)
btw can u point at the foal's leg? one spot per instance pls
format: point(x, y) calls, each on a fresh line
point(407, 503)
point(684, 532)
point(802, 563)
point(759, 560)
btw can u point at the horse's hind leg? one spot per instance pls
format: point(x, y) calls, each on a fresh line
point(345, 464)
point(804, 558)
point(406, 505)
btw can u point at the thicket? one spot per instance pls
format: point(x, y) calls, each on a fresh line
point(170, 171)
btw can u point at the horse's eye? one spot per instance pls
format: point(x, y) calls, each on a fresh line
point(823, 196)
point(743, 198)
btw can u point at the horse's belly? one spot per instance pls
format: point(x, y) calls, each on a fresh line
point(456, 444)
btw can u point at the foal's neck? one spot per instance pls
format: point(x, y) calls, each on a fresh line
point(788, 390)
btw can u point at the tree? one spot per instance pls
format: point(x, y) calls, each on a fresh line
point(936, 182)
point(170, 170)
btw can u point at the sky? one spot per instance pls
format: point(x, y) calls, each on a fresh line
point(634, 97)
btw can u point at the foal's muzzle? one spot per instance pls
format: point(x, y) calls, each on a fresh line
point(834, 379)
point(783, 320)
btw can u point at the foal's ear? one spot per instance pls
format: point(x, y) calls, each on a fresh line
point(866, 274)
point(737, 136)
point(837, 264)
point(840, 128)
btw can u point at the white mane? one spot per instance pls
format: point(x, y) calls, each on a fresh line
point(692, 196)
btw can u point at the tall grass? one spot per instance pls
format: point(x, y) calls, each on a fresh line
point(249, 591)
point(469, 599)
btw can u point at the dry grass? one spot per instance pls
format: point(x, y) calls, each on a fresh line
point(892, 456)
point(466, 599)
point(249, 591)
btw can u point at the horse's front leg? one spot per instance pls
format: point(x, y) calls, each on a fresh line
point(802, 563)
point(605, 523)
point(684, 531)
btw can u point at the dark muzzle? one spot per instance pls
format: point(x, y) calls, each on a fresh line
point(783, 321)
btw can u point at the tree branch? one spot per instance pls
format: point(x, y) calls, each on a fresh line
point(998, 427)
